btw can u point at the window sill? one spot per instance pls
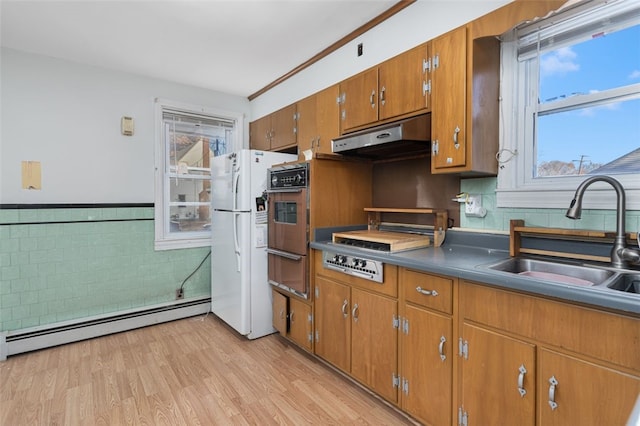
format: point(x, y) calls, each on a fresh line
point(160, 245)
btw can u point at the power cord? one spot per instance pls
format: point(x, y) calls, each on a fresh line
point(180, 292)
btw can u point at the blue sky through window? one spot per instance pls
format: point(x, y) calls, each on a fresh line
point(595, 134)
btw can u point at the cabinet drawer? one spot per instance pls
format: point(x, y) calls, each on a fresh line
point(430, 291)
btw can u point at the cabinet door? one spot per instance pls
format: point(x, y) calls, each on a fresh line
point(426, 376)
point(328, 118)
point(300, 327)
point(359, 100)
point(333, 322)
point(284, 127)
point(307, 124)
point(279, 312)
point(584, 393)
point(402, 83)
point(374, 342)
point(494, 389)
point(448, 100)
point(260, 134)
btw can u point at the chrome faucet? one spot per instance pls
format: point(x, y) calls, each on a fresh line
point(621, 255)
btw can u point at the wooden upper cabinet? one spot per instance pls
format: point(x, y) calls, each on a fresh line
point(448, 118)
point(404, 83)
point(359, 100)
point(283, 123)
point(260, 134)
point(318, 121)
point(275, 131)
point(397, 88)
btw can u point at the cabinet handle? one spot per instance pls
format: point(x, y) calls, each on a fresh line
point(382, 95)
point(434, 147)
point(344, 308)
point(441, 348)
point(354, 312)
point(552, 392)
point(456, 143)
point(281, 313)
point(426, 292)
point(372, 99)
point(291, 316)
point(521, 388)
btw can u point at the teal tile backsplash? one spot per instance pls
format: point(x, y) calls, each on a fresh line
point(87, 261)
point(497, 219)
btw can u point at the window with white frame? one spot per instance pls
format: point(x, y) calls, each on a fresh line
point(571, 106)
point(187, 138)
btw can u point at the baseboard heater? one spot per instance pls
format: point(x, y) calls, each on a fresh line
point(20, 341)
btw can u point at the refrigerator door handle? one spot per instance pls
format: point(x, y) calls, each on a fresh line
point(236, 242)
point(236, 182)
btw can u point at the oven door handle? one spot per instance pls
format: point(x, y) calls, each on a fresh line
point(284, 254)
point(275, 191)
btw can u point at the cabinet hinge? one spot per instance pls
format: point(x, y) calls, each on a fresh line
point(396, 322)
point(462, 417)
point(426, 65)
point(426, 88)
point(463, 348)
point(310, 318)
point(405, 386)
point(343, 115)
point(436, 61)
point(317, 291)
point(340, 98)
point(310, 337)
point(317, 336)
point(434, 147)
point(395, 380)
point(405, 326)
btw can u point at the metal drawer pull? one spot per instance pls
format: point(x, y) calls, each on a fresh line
point(552, 392)
point(456, 144)
point(441, 348)
point(291, 316)
point(426, 292)
point(372, 99)
point(382, 99)
point(521, 388)
point(344, 308)
point(354, 312)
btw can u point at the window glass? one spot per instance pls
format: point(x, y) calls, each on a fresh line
point(189, 139)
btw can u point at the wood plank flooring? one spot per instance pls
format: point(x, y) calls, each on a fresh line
point(194, 371)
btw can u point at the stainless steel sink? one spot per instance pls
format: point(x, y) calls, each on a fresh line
point(563, 273)
point(629, 283)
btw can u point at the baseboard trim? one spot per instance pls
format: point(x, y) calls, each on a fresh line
point(22, 341)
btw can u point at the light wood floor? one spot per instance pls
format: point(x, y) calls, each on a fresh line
point(187, 372)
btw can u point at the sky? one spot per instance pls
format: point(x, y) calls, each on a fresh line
point(598, 134)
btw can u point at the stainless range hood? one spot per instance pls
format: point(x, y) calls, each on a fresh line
point(406, 137)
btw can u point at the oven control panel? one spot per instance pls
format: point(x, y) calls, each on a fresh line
point(288, 176)
point(352, 265)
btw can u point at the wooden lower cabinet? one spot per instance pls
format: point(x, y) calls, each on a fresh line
point(426, 346)
point(293, 319)
point(498, 385)
point(527, 360)
point(355, 332)
point(584, 393)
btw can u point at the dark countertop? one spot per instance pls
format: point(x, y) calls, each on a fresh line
point(466, 255)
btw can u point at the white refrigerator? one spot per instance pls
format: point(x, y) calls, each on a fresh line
point(240, 292)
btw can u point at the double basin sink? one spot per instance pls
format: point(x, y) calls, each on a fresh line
point(571, 274)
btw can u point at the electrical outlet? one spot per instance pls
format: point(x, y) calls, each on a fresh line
point(473, 206)
point(179, 293)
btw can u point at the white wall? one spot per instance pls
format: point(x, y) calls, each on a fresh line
point(67, 116)
point(417, 23)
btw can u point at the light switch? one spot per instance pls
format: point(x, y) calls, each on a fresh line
point(126, 125)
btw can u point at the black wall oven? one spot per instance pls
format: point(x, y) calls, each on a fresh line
point(288, 213)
